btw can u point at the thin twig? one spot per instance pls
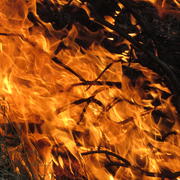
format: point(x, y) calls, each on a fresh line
point(127, 164)
point(89, 100)
point(171, 79)
point(99, 83)
point(59, 62)
point(105, 69)
point(112, 103)
point(84, 100)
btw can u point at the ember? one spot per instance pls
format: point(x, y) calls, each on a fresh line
point(89, 89)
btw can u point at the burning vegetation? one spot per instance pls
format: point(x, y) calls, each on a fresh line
point(89, 89)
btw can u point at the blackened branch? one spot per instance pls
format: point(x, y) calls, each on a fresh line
point(109, 153)
point(117, 100)
point(127, 164)
point(105, 69)
point(59, 62)
point(89, 100)
point(100, 83)
point(114, 102)
point(171, 79)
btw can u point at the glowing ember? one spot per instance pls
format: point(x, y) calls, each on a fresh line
point(73, 112)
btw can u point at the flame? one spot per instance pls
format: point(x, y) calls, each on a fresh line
point(55, 110)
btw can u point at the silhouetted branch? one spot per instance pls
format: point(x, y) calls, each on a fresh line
point(99, 83)
point(89, 100)
point(105, 69)
point(171, 79)
point(57, 61)
point(127, 164)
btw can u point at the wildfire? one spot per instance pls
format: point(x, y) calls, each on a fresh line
point(75, 112)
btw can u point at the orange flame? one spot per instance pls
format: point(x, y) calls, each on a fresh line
point(58, 109)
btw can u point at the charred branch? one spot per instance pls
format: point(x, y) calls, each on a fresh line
point(173, 82)
point(99, 83)
point(105, 69)
point(57, 61)
point(151, 101)
point(109, 153)
point(127, 164)
point(71, 14)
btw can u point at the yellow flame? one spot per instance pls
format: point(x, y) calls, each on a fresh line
point(7, 86)
point(61, 109)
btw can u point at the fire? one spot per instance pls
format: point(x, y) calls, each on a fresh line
point(79, 112)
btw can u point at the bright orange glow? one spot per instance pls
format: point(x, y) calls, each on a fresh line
point(58, 114)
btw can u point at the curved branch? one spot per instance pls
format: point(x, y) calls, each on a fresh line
point(172, 80)
point(127, 164)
